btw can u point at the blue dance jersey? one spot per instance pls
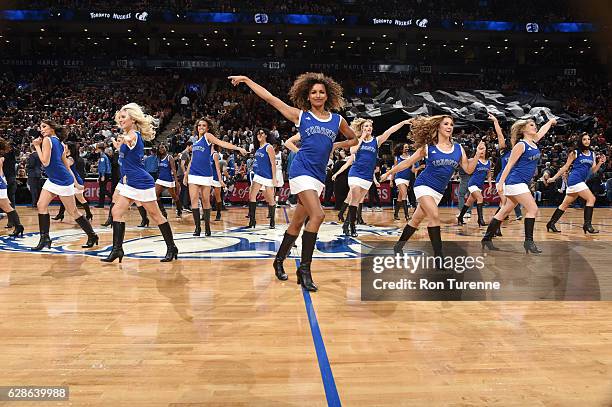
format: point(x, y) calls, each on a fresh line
point(524, 169)
point(132, 165)
point(365, 160)
point(200, 160)
point(480, 173)
point(317, 139)
point(439, 167)
point(581, 168)
point(56, 170)
point(263, 166)
point(165, 171)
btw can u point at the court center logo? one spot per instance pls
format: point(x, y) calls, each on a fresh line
point(233, 244)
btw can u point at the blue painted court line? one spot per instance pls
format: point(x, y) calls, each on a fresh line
point(329, 384)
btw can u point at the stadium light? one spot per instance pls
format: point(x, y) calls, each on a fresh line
point(384, 35)
point(342, 34)
point(42, 29)
point(215, 31)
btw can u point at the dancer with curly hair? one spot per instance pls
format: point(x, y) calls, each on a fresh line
point(314, 96)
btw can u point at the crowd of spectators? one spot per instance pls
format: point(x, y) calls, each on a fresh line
point(86, 107)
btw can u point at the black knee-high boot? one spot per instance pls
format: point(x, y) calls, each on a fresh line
point(92, 238)
point(352, 218)
point(144, 219)
point(88, 214)
point(117, 250)
point(162, 208)
point(13, 218)
point(479, 209)
point(398, 204)
point(342, 210)
point(588, 218)
point(109, 220)
point(272, 215)
point(252, 210)
point(281, 255)
point(218, 208)
point(206, 215)
point(171, 249)
point(529, 245)
point(490, 233)
point(60, 214)
point(464, 209)
point(550, 226)
point(179, 207)
point(406, 235)
point(44, 221)
point(405, 206)
point(195, 212)
point(360, 220)
point(304, 277)
point(436, 242)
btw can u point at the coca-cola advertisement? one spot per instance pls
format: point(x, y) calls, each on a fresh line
point(239, 193)
point(489, 193)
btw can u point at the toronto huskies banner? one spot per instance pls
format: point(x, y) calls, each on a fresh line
point(469, 108)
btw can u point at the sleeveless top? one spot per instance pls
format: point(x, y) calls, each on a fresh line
point(439, 167)
point(317, 141)
point(365, 160)
point(200, 160)
point(581, 168)
point(480, 174)
point(262, 165)
point(165, 171)
point(132, 165)
point(56, 170)
point(526, 166)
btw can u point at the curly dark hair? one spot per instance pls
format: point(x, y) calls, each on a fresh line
point(212, 126)
point(300, 91)
point(59, 130)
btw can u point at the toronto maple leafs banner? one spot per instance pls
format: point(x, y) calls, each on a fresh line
point(468, 108)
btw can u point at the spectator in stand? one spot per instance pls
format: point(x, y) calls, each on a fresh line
point(151, 163)
point(185, 158)
point(104, 174)
point(34, 174)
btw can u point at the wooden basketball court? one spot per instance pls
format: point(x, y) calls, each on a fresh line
point(217, 328)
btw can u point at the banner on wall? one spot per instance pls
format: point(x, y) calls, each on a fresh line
point(489, 193)
point(239, 193)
